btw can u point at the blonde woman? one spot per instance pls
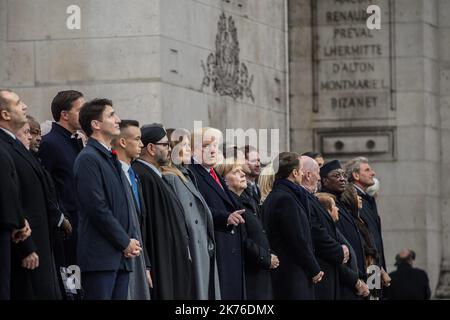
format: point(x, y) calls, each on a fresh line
point(265, 181)
point(258, 258)
point(197, 215)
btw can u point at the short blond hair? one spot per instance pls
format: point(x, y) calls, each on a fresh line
point(227, 166)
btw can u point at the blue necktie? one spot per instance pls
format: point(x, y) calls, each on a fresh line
point(134, 186)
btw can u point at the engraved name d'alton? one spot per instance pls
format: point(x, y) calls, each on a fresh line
point(223, 70)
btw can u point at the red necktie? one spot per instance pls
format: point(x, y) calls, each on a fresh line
point(215, 177)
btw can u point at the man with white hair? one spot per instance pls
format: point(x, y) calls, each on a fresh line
point(329, 252)
point(225, 211)
point(361, 175)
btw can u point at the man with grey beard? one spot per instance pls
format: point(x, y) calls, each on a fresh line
point(165, 235)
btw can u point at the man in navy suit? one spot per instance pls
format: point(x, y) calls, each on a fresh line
point(13, 226)
point(288, 225)
point(106, 234)
point(58, 151)
point(33, 272)
point(225, 216)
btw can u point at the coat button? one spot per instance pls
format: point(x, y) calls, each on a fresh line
point(196, 221)
point(190, 204)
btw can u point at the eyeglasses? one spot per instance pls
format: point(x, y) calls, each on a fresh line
point(165, 144)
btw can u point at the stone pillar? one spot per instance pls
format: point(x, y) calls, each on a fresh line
point(443, 290)
point(300, 75)
point(417, 190)
point(393, 119)
point(3, 32)
point(148, 57)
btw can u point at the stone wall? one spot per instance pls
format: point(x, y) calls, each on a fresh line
point(146, 55)
point(443, 37)
point(418, 136)
point(189, 31)
point(409, 166)
point(3, 36)
point(115, 54)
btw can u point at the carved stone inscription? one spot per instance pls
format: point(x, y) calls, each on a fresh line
point(353, 68)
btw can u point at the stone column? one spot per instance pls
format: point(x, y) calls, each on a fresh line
point(300, 75)
point(443, 290)
point(413, 201)
point(3, 32)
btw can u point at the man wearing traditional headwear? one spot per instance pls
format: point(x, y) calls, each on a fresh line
point(166, 234)
point(334, 181)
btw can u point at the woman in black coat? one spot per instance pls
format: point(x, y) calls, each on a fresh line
point(353, 203)
point(258, 259)
point(351, 287)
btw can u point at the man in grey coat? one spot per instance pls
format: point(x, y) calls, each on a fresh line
point(128, 146)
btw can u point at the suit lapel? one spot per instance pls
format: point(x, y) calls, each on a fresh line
point(295, 197)
point(131, 206)
point(114, 163)
point(209, 180)
point(141, 210)
point(193, 190)
point(371, 211)
point(345, 214)
point(25, 154)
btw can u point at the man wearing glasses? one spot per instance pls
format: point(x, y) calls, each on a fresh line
point(165, 235)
